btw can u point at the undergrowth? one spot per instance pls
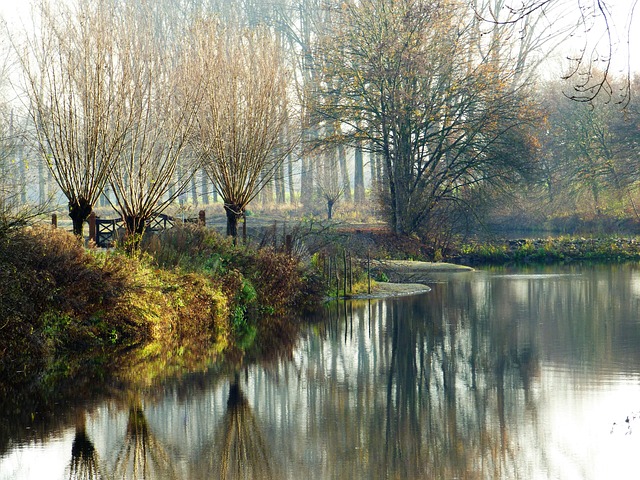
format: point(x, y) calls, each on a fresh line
point(186, 292)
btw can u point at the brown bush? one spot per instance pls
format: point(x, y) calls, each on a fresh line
point(55, 295)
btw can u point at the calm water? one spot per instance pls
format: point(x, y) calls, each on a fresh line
point(501, 374)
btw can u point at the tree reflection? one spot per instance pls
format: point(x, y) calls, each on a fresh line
point(425, 388)
point(84, 463)
point(239, 450)
point(141, 455)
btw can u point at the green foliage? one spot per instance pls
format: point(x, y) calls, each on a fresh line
point(58, 297)
point(187, 291)
point(552, 250)
point(381, 277)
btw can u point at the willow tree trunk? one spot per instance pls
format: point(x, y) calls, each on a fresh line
point(234, 213)
point(135, 226)
point(79, 211)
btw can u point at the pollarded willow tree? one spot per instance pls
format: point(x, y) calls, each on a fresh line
point(419, 82)
point(75, 87)
point(240, 135)
point(153, 168)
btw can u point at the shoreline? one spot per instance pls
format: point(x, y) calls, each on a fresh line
point(407, 277)
point(389, 289)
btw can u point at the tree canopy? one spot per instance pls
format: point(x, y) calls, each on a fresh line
point(240, 135)
point(446, 116)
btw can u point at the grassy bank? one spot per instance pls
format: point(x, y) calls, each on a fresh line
point(550, 250)
point(189, 291)
point(382, 244)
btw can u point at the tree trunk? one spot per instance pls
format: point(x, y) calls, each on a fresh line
point(329, 209)
point(279, 184)
point(194, 190)
point(135, 229)
point(266, 194)
point(234, 212)
point(346, 181)
point(358, 176)
point(79, 211)
point(204, 187)
point(292, 190)
point(41, 183)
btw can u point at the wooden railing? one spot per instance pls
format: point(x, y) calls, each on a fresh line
point(104, 231)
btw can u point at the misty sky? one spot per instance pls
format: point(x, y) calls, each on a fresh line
point(16, 12)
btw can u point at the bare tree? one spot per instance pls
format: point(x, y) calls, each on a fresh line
point(74, 85)
point(152, 169)
point(243, 117)
point(409, 77)
point(600, 30)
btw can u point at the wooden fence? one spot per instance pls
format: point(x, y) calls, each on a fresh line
point(105, 231)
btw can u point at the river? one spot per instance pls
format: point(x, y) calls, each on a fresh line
point(493, 374)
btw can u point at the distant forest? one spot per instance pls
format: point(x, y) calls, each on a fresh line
point(437, 118)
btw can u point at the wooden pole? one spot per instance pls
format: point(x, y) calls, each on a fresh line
point(92, 227)
point(350, 273)
point(368, 273)
point(54, 220)
point(344, 264)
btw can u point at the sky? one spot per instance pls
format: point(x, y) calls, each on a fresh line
point(17, 11)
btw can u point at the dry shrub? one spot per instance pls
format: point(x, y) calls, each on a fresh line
point(53, 294)
point(186, 246)
point(277, 280)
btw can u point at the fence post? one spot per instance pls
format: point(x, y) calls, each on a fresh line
point(344, 264)
point(92, 227)
point(368, 273)
point(288, 241)
point(202, 219)
point(54, 220)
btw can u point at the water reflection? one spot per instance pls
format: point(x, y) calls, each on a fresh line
point(240, 450)
point(433, 396)
point(85, 462)
point(490, 375)
point(141, 455)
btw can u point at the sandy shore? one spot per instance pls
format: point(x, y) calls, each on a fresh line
point(407, 277)
point(386, 289)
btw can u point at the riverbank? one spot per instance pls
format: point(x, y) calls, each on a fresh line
point(191, 295)
point(547, 250)
point(187, 295)
point(406, 277)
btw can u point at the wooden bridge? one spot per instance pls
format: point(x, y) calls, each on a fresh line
point(105, 231)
